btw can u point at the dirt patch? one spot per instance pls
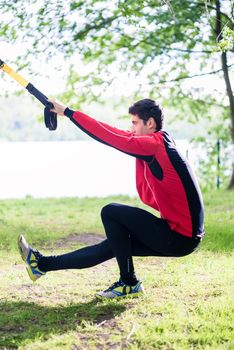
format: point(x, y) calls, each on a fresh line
point(76, 239)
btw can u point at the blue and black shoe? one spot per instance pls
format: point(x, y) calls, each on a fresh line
point(120, 289)
point(31, 257)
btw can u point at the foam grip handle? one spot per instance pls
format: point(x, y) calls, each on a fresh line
point(50, 118)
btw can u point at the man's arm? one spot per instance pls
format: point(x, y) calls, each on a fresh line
point(138, 146)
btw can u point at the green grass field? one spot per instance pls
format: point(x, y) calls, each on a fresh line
point(189, 302)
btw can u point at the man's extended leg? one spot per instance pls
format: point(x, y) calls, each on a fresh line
point(78, 259)
point(81, 258)
point(37, 264)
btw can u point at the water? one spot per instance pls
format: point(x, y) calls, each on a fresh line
point(66, 169)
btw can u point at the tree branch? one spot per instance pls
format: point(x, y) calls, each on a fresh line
point(192, 76)
point(95, 26)
point(188, 51)
point(170, 48)
point(213, 8)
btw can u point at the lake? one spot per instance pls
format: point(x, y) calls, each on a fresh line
point(68, 169)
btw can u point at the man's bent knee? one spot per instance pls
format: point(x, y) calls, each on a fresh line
point(107, 211)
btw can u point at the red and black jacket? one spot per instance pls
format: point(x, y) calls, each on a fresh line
point(164, 179)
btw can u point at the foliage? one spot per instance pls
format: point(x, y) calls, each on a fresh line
point(157, 40)
point(215, 158)
point(227, 41)
point(214, 167)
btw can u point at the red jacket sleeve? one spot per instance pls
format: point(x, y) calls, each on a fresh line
point(124, 141)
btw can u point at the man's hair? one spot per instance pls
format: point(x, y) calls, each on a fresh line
point(146, 109)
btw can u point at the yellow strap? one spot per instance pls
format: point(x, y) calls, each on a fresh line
point(14, 75)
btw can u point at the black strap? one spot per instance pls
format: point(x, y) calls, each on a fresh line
point(38, 94)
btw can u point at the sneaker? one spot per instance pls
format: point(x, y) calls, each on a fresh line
point(30, 256)
point(120, 289)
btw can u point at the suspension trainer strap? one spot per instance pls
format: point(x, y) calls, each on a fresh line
point(50, 118)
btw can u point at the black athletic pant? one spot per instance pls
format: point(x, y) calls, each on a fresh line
point(130, 232)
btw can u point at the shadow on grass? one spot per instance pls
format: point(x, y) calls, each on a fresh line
point(20, 321)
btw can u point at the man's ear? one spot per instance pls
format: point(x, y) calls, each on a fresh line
point(152, 124)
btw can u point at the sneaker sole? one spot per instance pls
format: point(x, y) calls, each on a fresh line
point(28, 269)
point(30, 274)
point(130, 296)
point(20, 250)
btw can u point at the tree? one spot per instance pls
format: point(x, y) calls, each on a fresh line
point(128, 35)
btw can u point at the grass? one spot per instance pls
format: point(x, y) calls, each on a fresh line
point(189, 302)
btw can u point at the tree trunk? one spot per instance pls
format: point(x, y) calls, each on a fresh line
point(231, 104)
point(231, 184)
point(219, 28)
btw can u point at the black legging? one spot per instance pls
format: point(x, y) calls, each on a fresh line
point(130, 232)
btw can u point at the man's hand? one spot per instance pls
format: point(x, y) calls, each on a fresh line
point(59, 108)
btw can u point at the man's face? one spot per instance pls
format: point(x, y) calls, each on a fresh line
point(139, 128)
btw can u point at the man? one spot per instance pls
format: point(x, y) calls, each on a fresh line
point(164, 181)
